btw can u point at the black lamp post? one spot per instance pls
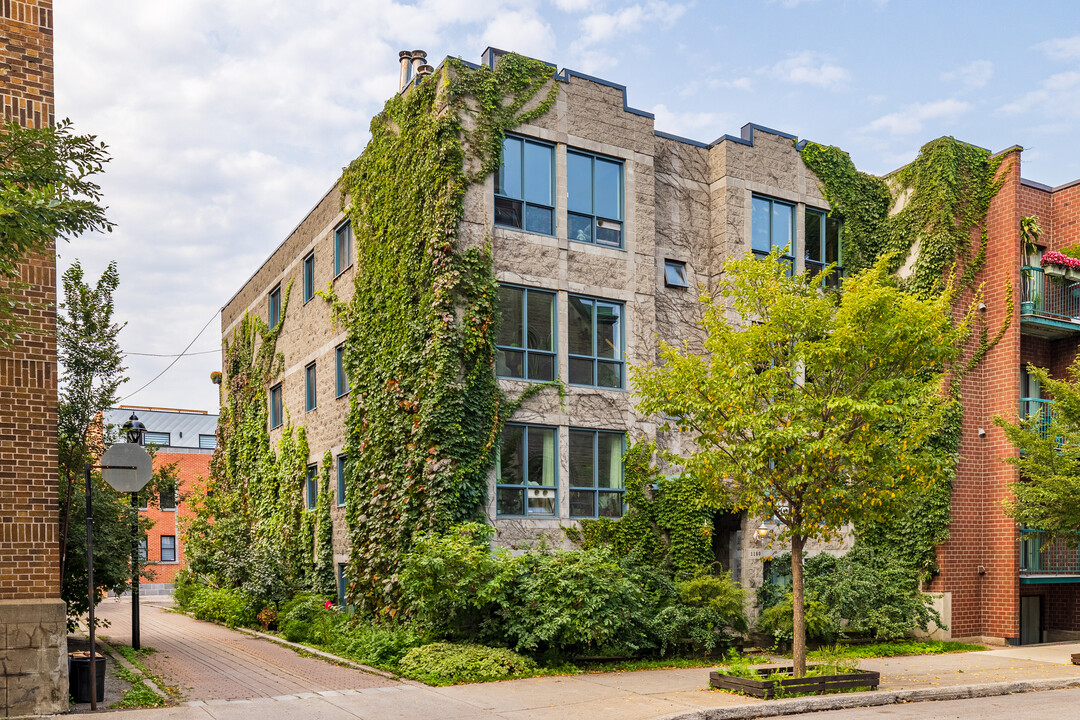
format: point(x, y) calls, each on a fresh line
point(136, 432)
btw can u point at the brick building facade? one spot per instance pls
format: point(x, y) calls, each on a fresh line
point(33, 634)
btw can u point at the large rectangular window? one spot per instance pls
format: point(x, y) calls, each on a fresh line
point(525, 186)
point(168, 548)
point(596, 473)
point(309, 276)
point(526, 337)
point(341, 480)
point(596, 342)
point(594, 199)
point(823, 244)
point(275, 406)
point(311, 398)
point(274, 307)
point(341, 379)
point(342, 247)
point(526, 471)
point(157, 438)
point(773, 226)
point(207, 442)
point(312, 482)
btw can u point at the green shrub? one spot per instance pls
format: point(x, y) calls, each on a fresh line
point(184, 588)
point(229, 606)
point(306, 619)
point(447, 664)
point(378, 645)
point(779, 622)
point(708, 610)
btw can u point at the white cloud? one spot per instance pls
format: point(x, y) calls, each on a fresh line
point(975, 74)
point(521, 31)
point(913, 118)
point(695, 125)
point(598, 28)
point(810, 68)
point(1056, 96)
point(574, 6)
point(1061, 48)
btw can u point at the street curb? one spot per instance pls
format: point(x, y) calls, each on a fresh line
point(845, 701)
point(321, 653)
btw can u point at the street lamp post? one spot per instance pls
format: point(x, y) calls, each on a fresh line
point(135, 431)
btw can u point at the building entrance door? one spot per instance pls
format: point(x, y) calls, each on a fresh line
point(1030, 619)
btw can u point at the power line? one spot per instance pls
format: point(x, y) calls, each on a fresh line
point(175, 360)
point(174, 355)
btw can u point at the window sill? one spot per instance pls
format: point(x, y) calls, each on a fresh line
point(523, 231)
point(343, 271)
point(586, 243)
point(597, 387)
point(342, 395)
point(525, 380)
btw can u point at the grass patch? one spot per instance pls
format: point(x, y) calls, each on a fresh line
point(893, 649)
point(138, 695)
point(135, 657)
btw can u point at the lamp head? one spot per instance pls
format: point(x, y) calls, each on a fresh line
point(134, 429)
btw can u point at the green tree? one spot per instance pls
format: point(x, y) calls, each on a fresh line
point(46, 192)
point(810, 407)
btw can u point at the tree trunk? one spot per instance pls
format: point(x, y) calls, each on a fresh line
point(798, 636)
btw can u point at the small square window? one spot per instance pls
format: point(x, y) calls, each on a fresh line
point(309, 276)
point(275, 406)
point(274, 309)
point(310, 395)
point(675, 274)
point(342, 247)
point(168, 548)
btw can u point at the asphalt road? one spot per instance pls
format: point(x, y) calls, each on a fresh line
point(1050, 705)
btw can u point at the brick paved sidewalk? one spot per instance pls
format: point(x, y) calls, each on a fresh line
point(210, 662)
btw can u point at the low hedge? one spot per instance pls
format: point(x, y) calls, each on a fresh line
point(450, 664)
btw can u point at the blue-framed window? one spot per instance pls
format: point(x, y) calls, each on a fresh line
point(675, 274)
point(527, 471)
point(309, 276)
point(596, 473)
point(311, 397)
point(525, 186)
point(594, 199)
point(312, 482)
point(773, 226)
point(143, 544)
point(341, 379)
point(822, 233)
point(273, 313)
point(342, 247)
point(341, 480)
point(341, 584)
point(596, 338)
point(275, 406)
point(168, 548)
point(526, 339)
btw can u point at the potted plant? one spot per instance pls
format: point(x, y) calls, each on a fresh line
point(1057, 264)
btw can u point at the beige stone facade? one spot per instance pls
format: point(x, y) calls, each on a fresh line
point(682, 201)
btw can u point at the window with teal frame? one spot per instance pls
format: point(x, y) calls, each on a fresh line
point(594, 199)
point(525, 342)
point(527, 471)
point(596, 339)
point(773, 227)
point(276, 410)
point(822, 233)
point(311, 396)
point(309, 276)
point(312, 482)
point(342, 248)
point(341, 384)
point(596, 473)
point(341, 480)
point(274, 307)
point(525, 186)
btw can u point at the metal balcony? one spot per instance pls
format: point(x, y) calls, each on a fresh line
point(1054, 563)
point(1049, 306)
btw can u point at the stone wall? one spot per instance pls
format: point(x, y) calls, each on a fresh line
point(33, 655)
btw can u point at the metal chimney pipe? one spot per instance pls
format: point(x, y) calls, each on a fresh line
point(424, 71)
point(405, 58)
point(419, 58)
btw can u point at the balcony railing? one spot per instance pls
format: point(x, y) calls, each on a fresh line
point(1055, 298)
point(1055, 560)
point(1038, 408)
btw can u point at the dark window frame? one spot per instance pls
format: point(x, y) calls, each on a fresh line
point(814, 267)
point(594, 357)
point(341, 378)
point(274, 306)
point(523, 204)
point(173, 549)
point(213, 441)
point(596, 490)
point(161, 501)
point(157, 435)
point(311, 388)
point(596, 218)
point(309, 276)
point(311, 485)
point(524, 348)
point(679, 267)
point(526, 485)
point(788, 256)
point(276, 406)
point(342, 232)
point(341, 480)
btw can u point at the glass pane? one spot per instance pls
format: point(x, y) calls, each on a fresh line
point(579, 228)
point(579, 183)
point(581, 371)
point(611, 505)
point(813, 235)
point(832, 240)
point(609, 470)
point(542, 456)
point(607, 191)
point(541, 367)
point(539, 219)
point(541, 502)
point(309, 277)
point(510, 363)
point(609, 374)
point(509, 502)
point(510, 307)
point(581, 458)
point(608, 331)
point(508, 212)
point(782, 227)
point(541, 320)
point(581, 503)
point(609, 232)
point(508, 467)
point(675, 274)
point(759, 235)
point(508, 177)
point(167, 500)
point(539, 160)
point(581, 326)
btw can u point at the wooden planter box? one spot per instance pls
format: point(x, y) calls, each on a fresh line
point(766, 688)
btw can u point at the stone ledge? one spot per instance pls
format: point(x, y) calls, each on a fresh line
point(33, 610)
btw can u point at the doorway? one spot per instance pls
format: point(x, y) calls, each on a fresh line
point(1030, 619)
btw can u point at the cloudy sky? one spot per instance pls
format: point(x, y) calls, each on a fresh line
point(228, 120)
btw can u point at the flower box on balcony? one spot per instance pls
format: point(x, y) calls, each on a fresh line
point(1054, 270)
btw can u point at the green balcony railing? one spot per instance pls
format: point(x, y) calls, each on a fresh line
point(1037, 408)
point(1054, 559)
point(1053, 297)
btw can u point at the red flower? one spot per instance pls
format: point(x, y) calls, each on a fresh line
point(328, 605)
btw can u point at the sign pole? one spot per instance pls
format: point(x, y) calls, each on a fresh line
point(135, 572)
point(90, 587)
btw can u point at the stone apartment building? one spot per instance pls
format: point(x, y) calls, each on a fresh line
point(33, 631)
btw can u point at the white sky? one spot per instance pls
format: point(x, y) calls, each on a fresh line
point(228, 120)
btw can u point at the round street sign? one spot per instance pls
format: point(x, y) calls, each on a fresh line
point(127, 467)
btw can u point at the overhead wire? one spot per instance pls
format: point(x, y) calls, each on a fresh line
point(175, 360)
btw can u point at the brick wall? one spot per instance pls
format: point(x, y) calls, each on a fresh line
point(192, 468)
point(26, 62)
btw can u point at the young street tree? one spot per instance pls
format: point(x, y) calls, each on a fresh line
point(811, 407)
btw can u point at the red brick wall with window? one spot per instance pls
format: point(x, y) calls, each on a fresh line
point(192, 470)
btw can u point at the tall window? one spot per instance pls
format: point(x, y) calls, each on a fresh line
point(168, 548)
point(167, 499)
point(341, 584)
point(309, 276)
point(274, 306)
point(526, 338)
point(525, 186)
point(341, 380)
point(596, 473)
point(310, 396)
point(823, 244)
point(773, 226)
point(275, 406)
point(341, 480)
point(342, 247)
point(596, 342)
point(312, 485)
point(526, 471)
point(142, 551)
point(594, 199)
